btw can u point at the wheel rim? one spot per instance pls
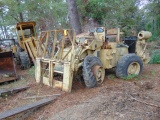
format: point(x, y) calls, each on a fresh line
point(99, 73)
point(133, 68)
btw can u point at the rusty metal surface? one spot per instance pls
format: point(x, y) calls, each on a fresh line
point(6, 62)
point(23, 108)
point(25, 25)
point(7, 67)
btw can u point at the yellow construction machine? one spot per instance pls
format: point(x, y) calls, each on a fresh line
point(28, 43)
point(23, 53)
point(62, 53)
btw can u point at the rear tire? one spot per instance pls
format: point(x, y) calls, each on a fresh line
point(25, 60)
point(129, 64)
point(93, 71)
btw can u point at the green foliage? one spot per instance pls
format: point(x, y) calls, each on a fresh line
point(152, 18)
point(155, 58)
point(52, 14)
point(49, 14)
point(154, 38)
point(130, 77)
point(32, 71)
point(111, 77)
point(153, 73)
point(109, 13)
point(96, 9)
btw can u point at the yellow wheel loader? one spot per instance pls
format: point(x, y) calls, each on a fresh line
point(28, 43)
point(12, 52)
point(62, 56)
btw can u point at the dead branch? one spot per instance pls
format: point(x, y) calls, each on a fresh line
point(158, 47)
point(143, 102)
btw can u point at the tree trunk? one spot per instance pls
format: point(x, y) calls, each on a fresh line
point(73, 16)
point(5, 31)
point(21, 16)
point(20, 13)
point(2, 33)
point(153, 25)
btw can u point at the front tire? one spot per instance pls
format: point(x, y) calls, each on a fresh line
point(93, 71)
point(25, 60)
point(128, 65)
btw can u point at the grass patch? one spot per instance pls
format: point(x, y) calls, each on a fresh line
point(155, 58)
point(32, 71)
point(112, 76)
point(153, 72)
point(130, 77)
point(147, 76)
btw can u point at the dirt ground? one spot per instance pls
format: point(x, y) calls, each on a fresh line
point(115, 99)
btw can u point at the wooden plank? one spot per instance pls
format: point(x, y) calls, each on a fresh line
point(32, 47)
point(8, 79)
point(12, 91)
point(54, 43)
point(62, 47)
point(46, 45)
point(29, 106)
point(43, 96)
point(29, 50)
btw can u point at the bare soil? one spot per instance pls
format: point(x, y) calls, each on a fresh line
point(115, 99)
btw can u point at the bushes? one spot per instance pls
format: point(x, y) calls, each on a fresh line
point(155, 58)
point(32, 71)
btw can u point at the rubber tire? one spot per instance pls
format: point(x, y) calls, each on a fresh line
point(25, 60)
point(88, 76)
point(16, 54)
point(124, 62)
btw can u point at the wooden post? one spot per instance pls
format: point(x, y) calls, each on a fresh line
point(67, 77)
point(38, 70)
point(52, 73)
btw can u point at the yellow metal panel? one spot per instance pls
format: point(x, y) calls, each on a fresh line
point(14, 49)
point(108, 58)
point(58, 84)
point(105, 56)
point(46, 81)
